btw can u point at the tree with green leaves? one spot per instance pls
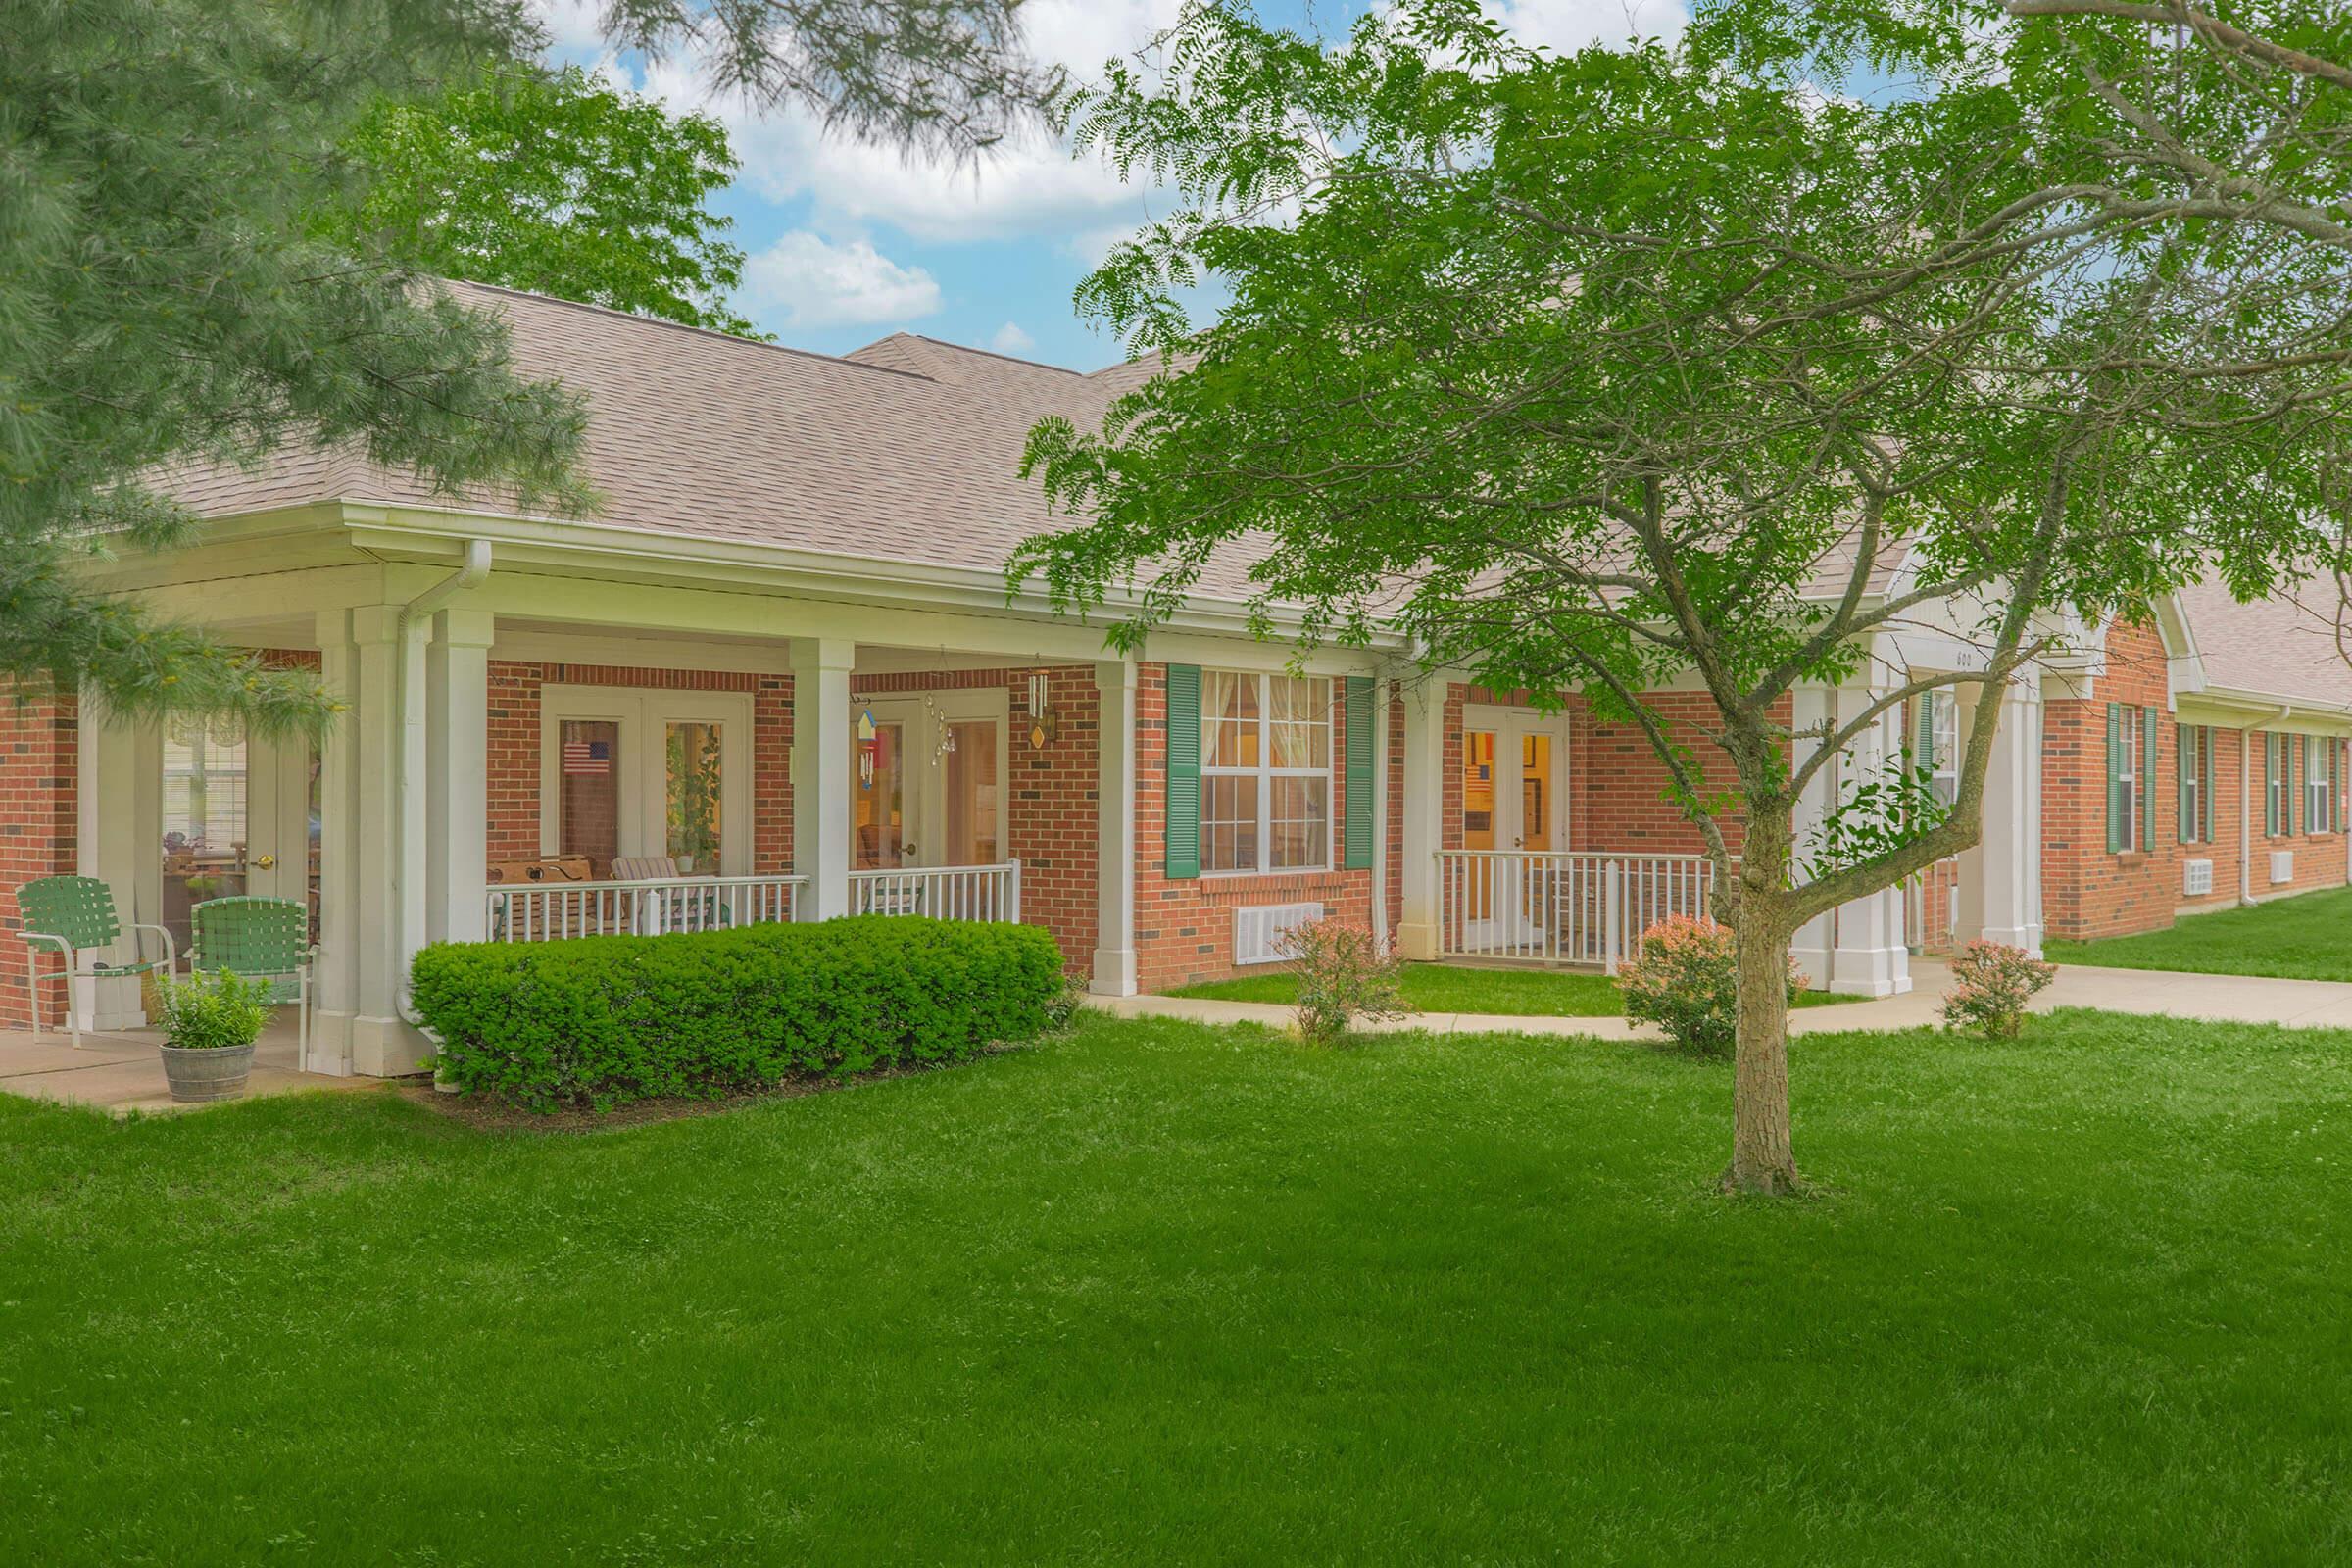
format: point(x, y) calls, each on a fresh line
point(1674, 363)
point(166, 294)
point(557, 183)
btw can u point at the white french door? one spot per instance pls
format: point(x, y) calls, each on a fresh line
point(238, 816)
point(1514, 804)
point(928, 784)
point(626, 773)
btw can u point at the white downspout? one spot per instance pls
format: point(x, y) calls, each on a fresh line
point(407, 875)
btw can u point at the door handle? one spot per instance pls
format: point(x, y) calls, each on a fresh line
point(266, 863)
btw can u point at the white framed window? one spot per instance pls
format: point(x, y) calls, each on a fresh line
point(1265, 772)
point(2279, 784)
point(2319, 784)
point(2131, 829)
point(1944, 713)
point(2195, 753)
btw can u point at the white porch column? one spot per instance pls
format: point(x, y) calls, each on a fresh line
point(118, 819)
point(358, 1027)
point(1811, 711)
point(2000, 880)
point(1115, 829)
point(1419, 928)
point(2007, 897)
point(821, 772)
point(456, 794)
point(1870, 959)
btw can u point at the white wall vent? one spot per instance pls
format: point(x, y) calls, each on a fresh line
point(2196, 878)
point(1256, 929)
point(2283, 865)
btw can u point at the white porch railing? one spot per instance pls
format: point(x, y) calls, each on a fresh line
point(541, 912)
point(1562, 907)
point(941, 891)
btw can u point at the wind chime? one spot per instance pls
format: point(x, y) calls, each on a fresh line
point(1044, 721)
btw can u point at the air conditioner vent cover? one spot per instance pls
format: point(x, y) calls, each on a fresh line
point(1256, 928)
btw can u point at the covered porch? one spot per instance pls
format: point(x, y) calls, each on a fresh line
point(521, 753)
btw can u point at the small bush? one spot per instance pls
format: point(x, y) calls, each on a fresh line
point(1342, 977)
point(1687, 982)
point(212, 1011)
point(604, 1020)
point(1992, 983)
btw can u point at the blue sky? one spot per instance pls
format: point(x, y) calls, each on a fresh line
point(850, 243)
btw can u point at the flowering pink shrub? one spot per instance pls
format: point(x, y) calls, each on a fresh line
point(1992, 983)
point(1343, 976)
point(1687, 982)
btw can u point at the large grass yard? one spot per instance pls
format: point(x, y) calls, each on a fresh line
point(1163, 1293)
point(1464, 988)
point(2308, 937)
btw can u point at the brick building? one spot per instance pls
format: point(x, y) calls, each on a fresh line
point(780, 675)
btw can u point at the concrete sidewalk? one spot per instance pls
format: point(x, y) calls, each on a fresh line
point(2231, 997)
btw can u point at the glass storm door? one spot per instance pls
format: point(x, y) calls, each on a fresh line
point(1511, 803)
point(970, 787)
point(878, 815)
point(634, 774)
point(239, 816)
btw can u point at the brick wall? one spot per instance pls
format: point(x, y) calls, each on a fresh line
point(1050, 822)
point(1184, 929)
point(39, 760)
point(514, 744)
point(2087, 892)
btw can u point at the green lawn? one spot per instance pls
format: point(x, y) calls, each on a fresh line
point(1459, 988)
point(1163, 1293)
point(2308, 937)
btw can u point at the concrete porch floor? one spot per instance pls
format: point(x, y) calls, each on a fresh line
point(120, 1071)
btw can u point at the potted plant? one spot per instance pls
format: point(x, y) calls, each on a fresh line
point(210, 1024)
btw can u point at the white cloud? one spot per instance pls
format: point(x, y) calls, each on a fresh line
point(1028, 186)
point(1010, 339)
point(816, 283)
point(1567, 25)
point(572, 25)
point(1031, 186)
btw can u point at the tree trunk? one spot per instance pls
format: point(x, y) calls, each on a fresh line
point(1762, 1160)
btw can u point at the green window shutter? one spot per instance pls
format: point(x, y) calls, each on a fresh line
point(2150, 721)
point(2184, 809)
point(1923, 732)
point(2115, 777)
point(1358, 850)
point(1184, 772)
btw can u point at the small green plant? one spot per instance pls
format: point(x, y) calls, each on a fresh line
point(1687, 982)
point(1062, 1011)
point(1992, 983)
point(212, 1013)
point(1343, 978)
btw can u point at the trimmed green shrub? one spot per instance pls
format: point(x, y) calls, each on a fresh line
point(604, 1020)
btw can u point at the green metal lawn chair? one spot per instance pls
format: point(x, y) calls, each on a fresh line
point(75, 915)
point(257, 939)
